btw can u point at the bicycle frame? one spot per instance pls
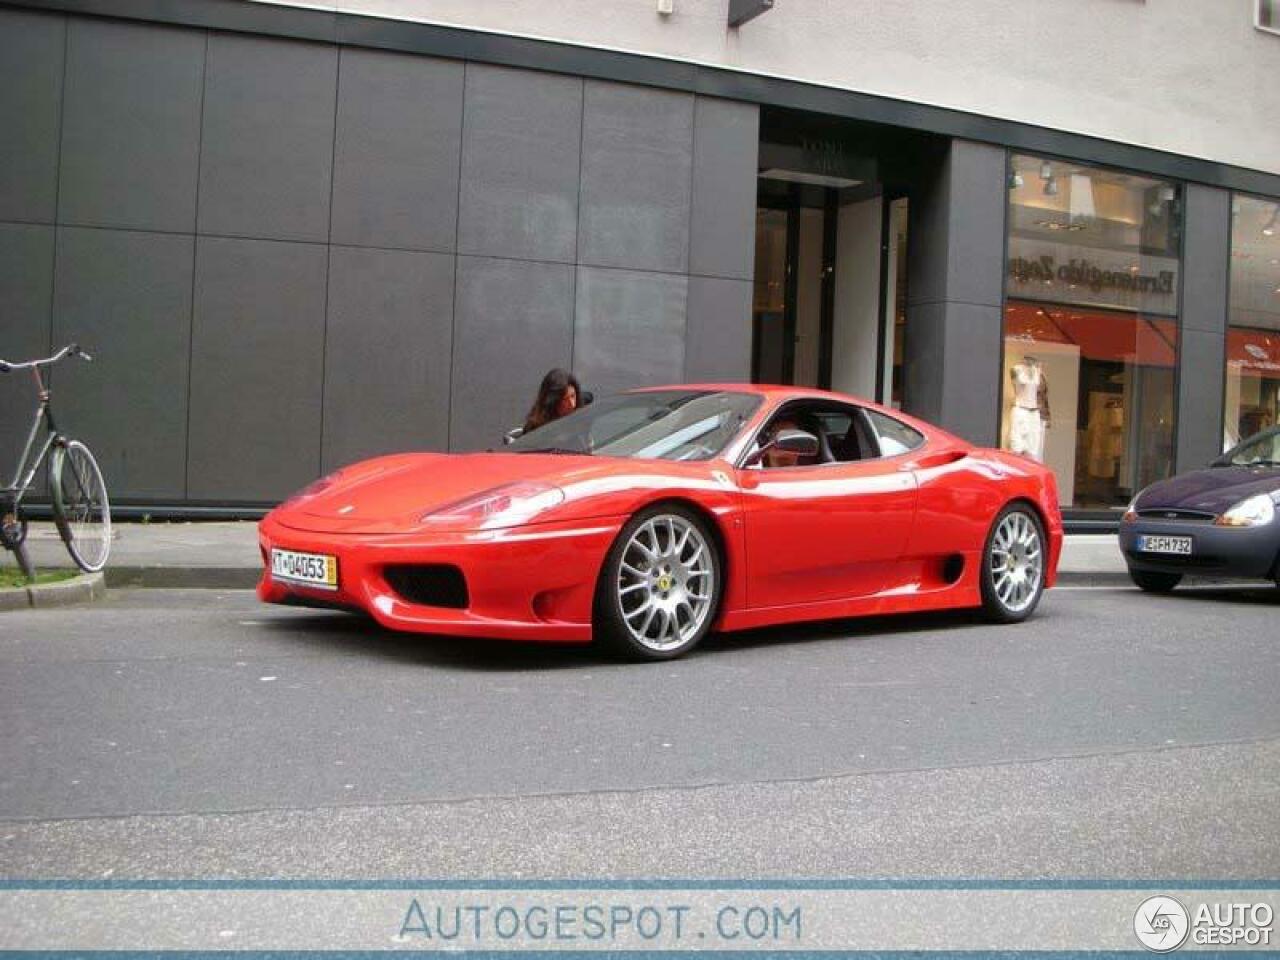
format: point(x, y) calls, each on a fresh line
point(21, 484)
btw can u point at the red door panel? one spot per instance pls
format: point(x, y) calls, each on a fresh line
point(824, 532)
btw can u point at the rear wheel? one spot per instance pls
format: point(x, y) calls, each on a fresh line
point(1013, 565)
point(80, 506)
point(1155, 582)
point(660, 586)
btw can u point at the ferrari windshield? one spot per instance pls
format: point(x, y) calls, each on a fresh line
point(1260, 450)
point(653, 425)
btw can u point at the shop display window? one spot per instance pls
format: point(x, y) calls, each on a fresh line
point(1091, 328)
point(1253, 336)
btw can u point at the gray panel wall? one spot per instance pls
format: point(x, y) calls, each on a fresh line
point(257, 368)
point(32, 47)
point(131, 126)
point(26, 289)
point(126, 296)
point(954, 298)
point(266, 150)
point(387, 353)
point(521, 144)
point(399, 135)
point(287, 255)
point(1202, 346)
point(514, 322)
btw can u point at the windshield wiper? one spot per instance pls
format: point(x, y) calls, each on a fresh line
point(564, 451)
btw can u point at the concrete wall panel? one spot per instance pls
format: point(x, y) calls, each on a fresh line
point(1202, 349)
point(257, 363)
point(399, 133)
point(514, 323)
point(131, 130)
point(387, 353)
point(125, 297)
point(726, 146)
point(637, 161)
point(629, 329)
point(267, 142)
point(718, 330)
point(32, 47)
point(521, 142)
point(26, 284)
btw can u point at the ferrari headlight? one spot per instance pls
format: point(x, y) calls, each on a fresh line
point(1253, 512)
point(505, 506)
point(314, 488)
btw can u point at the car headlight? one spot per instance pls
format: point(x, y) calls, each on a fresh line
point(1253, 512)
point(314, 488)
point(506, 506)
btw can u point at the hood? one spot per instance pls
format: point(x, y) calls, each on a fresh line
point(391, 493)
point(1213, 490)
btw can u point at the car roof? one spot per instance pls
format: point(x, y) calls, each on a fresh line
point(778, 393)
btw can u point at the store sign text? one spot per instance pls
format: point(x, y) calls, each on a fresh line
point(1082, 273)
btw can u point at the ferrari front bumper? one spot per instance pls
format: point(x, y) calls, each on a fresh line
point(533, 583)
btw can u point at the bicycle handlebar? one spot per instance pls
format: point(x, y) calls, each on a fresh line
point(70, 350)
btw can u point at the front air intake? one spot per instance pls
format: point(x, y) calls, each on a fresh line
point(428, 584)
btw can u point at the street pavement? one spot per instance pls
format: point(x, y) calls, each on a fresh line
point(199, 734)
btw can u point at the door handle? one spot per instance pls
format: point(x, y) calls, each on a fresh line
point(940, 459)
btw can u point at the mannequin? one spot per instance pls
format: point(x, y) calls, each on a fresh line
point(1030, 414)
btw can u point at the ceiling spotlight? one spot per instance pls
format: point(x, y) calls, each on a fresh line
point(1051, 187)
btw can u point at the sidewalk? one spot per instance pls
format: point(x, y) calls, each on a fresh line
point(225, 555)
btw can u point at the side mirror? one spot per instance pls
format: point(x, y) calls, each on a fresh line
point(585, 398)
point(799, 442)
point(512, 435)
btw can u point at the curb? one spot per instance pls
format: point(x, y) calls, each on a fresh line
point(81, 589)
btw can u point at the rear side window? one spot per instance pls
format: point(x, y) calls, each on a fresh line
point(893, 436)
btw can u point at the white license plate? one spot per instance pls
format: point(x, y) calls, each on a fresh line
point(313, 569)
point(1178, 545)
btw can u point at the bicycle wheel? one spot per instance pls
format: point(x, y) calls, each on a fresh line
point(80, 507)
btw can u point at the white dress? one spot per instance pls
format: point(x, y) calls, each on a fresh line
point(1026, 427)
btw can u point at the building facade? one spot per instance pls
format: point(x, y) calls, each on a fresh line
point(295, 236)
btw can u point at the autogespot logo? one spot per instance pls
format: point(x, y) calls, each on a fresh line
point(1161, 924)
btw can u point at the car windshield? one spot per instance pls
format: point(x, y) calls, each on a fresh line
point(1260, 450)
point(653, 425)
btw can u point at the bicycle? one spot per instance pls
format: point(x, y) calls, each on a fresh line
point(81, 510)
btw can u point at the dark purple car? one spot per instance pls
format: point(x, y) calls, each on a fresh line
point(1223, 521)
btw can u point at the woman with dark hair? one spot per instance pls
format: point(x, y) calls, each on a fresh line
point(559, 394)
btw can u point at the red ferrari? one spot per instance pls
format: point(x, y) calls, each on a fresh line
point(648, 519)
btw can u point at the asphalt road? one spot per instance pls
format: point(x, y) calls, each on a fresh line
point(198, 733)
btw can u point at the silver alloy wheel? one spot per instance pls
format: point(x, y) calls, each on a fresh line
point(1016, 562)
point(666, 582)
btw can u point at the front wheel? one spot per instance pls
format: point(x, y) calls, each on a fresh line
point(1013, 565)
point(80, 506)
point(1154, 581)
point(660, 585)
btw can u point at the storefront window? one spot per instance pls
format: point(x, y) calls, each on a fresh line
point(1090, 327)
point(1253, 337)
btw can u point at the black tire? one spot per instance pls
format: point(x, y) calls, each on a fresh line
point(81, 509)
point(1013, 565)
point(1154, 581)
point(660, 583)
